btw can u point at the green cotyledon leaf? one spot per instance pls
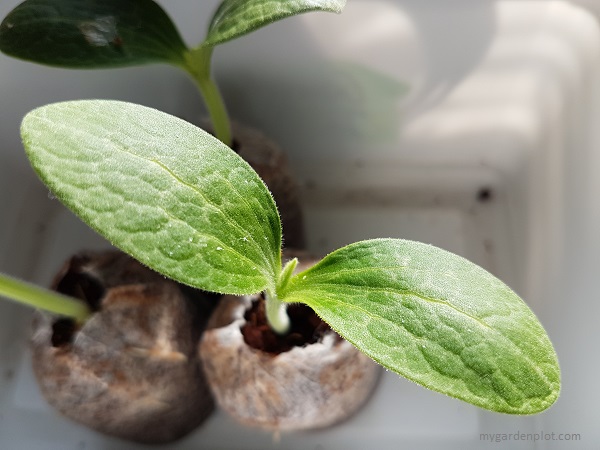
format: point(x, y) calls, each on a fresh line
point(436, 319)
point(235, 18)
point(161, 189)
point(91, 33)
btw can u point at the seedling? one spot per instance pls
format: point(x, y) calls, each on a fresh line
point(186, 205)
point(114, 33)
point(37, 297)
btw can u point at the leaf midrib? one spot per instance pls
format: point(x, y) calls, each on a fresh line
point(549, 383)
point(231, 222)
point(379, 318)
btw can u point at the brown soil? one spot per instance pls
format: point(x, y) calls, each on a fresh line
point(306, 328)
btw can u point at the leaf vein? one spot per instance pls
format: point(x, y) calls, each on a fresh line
point(401, 292)
point(231, 222)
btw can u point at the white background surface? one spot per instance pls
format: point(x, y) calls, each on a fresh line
point(501, 95)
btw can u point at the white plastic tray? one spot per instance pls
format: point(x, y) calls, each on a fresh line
point(490, 154)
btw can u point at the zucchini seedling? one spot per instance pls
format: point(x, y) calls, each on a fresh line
point(98, 34)
point(186, 205)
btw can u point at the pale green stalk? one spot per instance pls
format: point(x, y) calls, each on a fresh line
point(46, 299)
point(277, 316)
point(197, 64)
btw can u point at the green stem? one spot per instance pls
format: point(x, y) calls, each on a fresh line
point(197, 64)
point(46, 299)
point(276, 313)
point(277, 316)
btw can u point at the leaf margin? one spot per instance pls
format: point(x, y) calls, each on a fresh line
point(295, 293)
point(103, 41)
point(221, 30)
point(109, 106)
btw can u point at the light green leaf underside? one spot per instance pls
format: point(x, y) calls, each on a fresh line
point(436, 319)
point(161, 189)
point(235, 18)
point(91, 34)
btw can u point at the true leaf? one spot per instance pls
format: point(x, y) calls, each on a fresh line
point(91, 33)
point(235, 18)
point(436, 319)
point(161, 189)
